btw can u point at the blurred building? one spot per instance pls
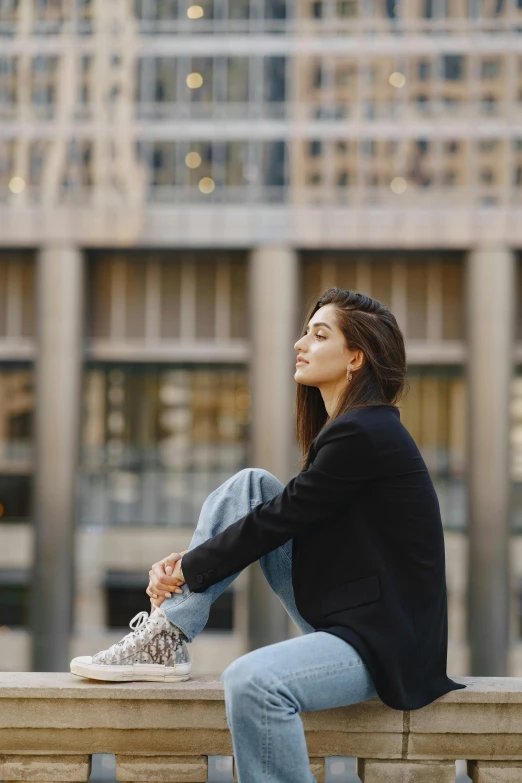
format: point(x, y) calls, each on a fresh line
point(178, 181)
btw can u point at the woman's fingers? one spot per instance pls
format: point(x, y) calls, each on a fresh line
point(160, 581)
point(153, 597)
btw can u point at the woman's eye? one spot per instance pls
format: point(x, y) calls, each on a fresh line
point(322, 336)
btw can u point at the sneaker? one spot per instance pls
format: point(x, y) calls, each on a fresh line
point(155, 650)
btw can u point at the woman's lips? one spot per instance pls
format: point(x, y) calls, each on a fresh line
point(301, 361)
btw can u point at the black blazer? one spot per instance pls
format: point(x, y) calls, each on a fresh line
point(368, 552)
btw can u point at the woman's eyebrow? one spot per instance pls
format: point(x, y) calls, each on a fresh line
point(320, 323)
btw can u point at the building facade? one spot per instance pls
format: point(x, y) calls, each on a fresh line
point(178, 182)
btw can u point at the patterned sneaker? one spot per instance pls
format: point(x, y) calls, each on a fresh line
point(154, 651)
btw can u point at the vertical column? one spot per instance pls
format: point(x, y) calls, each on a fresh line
point(490, 286)
point(274, 311)
point(58, 374)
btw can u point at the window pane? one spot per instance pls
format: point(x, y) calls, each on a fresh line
point(14, 603)
point(453, 304)
point(417, 292)
point(157, 440)
point(15, 498)
point(170, 299)
point(434, 412)
point(16, 414)
point(205, 299)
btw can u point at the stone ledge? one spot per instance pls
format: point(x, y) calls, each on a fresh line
point(51, 724)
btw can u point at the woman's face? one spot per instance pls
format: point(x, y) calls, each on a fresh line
point(324, 350)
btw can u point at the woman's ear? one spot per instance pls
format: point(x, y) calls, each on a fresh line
point(357, 359)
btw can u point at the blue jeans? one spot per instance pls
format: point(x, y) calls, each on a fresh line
point(266, 689)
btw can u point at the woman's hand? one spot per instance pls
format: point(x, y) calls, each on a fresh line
point(165, 577)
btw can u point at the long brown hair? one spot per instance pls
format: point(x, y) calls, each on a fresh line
point(369, 326)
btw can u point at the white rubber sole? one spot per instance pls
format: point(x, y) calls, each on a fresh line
point(148, 672)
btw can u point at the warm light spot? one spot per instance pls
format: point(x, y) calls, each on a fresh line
point(397, 79)
point(243, 401)
point(398, 184)
point(193, 160)
point(206, 185)
point(195, 12)
point(2, 510)
point(16, 185)
point(194, 80)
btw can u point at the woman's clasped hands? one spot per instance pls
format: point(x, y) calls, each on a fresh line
point(165, 578)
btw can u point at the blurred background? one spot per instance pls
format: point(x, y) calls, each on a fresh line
point(178, 182)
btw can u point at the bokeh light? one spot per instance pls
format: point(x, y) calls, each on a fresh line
point(398, 184)
point(16, 185)
point(206, 185)
point(193, 160)
point(397, 79)
point(194, 80)
point(195, 12)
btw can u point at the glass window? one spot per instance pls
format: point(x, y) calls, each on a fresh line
point(201, 80)
point(238, 79)
point(156, 80)
point(275, 78)
point(434, 412)
point(453, 66)
point(347, 9)
point(123, 298)
point(158, 439)
point(275, 163)
point(156, 9)
point(7, 157)
point(516, 448)
point(8, 16)
point(237, 168)
point(17, 272)
point(8, 83)
point(392, 8)
point(44, 83)
point(275, 9)
point(15, 497)
point(424, 70)
point(520, 591)
point(490, 68)
point(16, 415)
point(417, 293)
point(14, 599)
point(77, 171)
point(319, 76)
point(49, 15)
point(239, 9)
point(379, 271)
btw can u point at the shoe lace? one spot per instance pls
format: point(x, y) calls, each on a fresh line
point(138, 625)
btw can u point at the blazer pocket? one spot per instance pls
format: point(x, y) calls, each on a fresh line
point(352, 594)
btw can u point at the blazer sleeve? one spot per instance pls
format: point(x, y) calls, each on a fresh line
point(341, 469)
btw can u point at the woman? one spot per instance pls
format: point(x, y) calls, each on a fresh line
point(353, 546)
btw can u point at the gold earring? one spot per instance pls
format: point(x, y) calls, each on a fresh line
point(349, 375)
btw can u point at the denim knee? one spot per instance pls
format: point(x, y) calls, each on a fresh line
point(242, 674)
point(259, 472)
point(261, 477)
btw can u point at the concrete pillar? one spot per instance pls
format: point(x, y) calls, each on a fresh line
point(58, 379)
point(491, 290)
point(274, 330)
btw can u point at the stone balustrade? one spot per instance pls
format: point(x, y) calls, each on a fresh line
point(51, 723)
